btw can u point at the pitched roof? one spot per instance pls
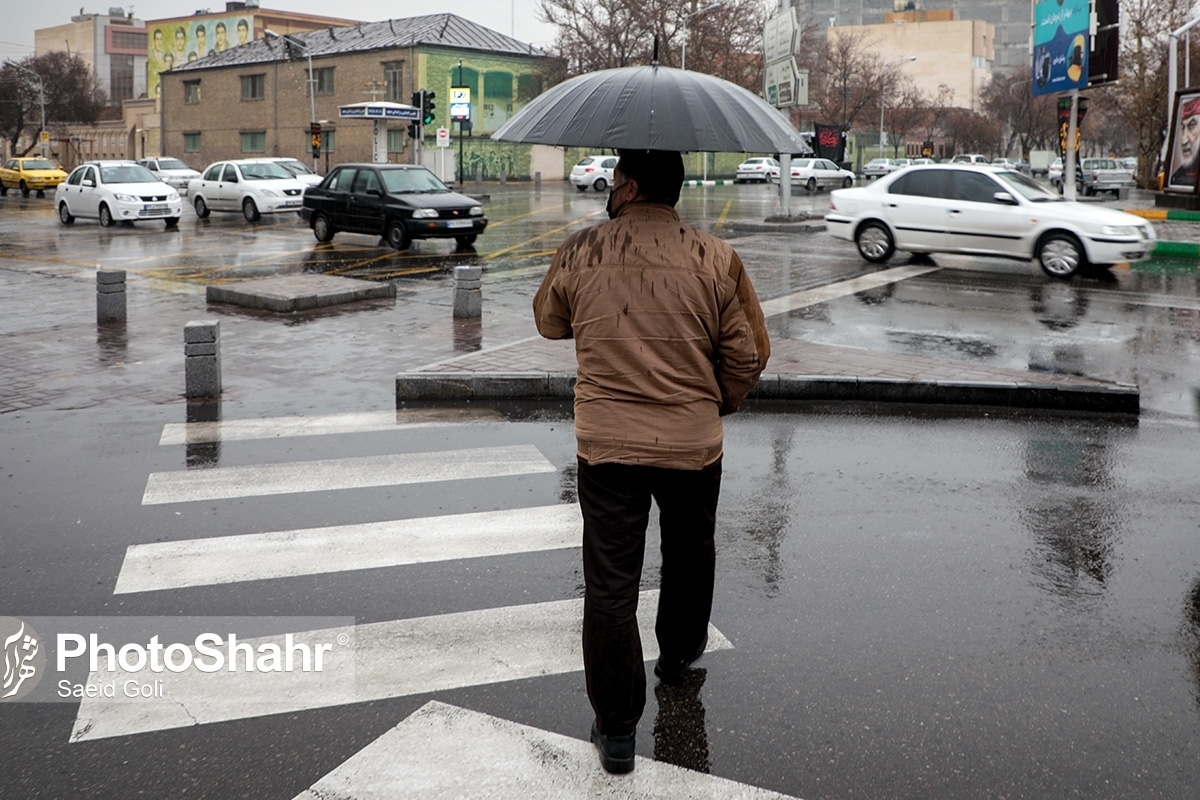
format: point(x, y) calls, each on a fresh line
point(440, 30)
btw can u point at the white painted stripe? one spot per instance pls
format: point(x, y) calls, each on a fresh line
point(359, 422)
point(391, 659)
point(833, 291)
point(443, 752)
point(341, 548)
point(342, 473)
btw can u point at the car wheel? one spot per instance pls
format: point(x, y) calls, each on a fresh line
point(3, 190)
point(24, 190)
point(846, 184)
point(811, 185)
point(322, 228)
point(201, 208)
point(106, 217)
point(465, 241)
point(250, 211)
point(600, 184)
point(581, 188)
point(64, 214)
point(171, 222)
point(1061, 255)
point(874, 242)
point(397, 235)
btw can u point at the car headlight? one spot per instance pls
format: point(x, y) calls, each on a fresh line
point(476, 211)
point(425, 213)
point(269, 193)
point(125, 198)
point(172, 196)
point(1120, 230)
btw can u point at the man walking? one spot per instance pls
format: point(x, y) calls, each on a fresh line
point(669, 336)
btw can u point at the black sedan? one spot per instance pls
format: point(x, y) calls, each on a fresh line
point(399, 202)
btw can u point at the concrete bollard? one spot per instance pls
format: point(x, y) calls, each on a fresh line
point(503, 178)
point(468, 292)
point(478, 179)
point(537, 181)
point(202, 358)
point(110, 295)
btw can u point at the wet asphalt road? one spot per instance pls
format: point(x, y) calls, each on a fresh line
point(922, 604)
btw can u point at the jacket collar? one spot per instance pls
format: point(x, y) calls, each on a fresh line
point(659, 212)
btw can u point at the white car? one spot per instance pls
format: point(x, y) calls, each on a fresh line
point(1054, 174)
point(593, 172)
point(756, 169)
point(813, 173)
point(982, 210)
point(170, 171)
point(969, 158)
point(116, 191)
point(299, 170)
point(878, 167)
point(1005, 163)
point(254, 186)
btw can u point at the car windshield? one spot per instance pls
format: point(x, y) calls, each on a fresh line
point(296, 168)
point(408, 181)
point(264, 172)
point(131, 173)
point(171, 163)
point(1025, 186)
point(39, 163)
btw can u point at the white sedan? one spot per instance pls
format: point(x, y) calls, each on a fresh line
point(814, 173)
point(757, 169)
point(254, 186)
point(982, 210)
point(116, 191)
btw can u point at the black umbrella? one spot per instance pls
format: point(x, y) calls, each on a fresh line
point(653, 108)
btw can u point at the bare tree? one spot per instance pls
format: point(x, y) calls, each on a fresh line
point(844, 79)
point(970, 132)
point(906, 116)
point(72, 94)
point(1030, 122)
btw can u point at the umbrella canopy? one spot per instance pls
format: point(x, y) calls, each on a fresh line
point(653, 108)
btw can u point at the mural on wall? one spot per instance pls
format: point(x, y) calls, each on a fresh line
point(180, 41)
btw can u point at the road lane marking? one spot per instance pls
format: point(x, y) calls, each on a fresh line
point(343, 548)
point(443, 752)
point(834, 291)
point(397, 658)
point(352, 422)
point(258, 480)
point(559, 229)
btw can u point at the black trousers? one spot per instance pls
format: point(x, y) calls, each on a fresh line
point(615, 501)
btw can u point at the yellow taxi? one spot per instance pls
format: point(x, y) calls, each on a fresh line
point(30, 175)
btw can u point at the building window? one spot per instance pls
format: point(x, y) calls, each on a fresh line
point(322, 80)
point(395, 140)
point(191, 92)
point(191, 142)
point(254, 141)
point(254, 87)
point(393, 73)
point(120, 76)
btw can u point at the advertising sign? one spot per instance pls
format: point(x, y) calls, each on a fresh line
point(1060, 45)
point(179, 41)
point(460, 103)
point(1185, 143)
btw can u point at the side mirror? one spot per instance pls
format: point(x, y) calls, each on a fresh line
point(1004, 198)
point(375, 192)
point(89, 182)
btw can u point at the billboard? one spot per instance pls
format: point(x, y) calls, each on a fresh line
point(1060, 45)
point(1184, 146)
point(179, 41)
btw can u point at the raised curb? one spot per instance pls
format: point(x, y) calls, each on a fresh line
point(290, 293)
point(1115, 399)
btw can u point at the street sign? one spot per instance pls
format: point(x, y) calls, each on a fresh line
point(460, 103)
point(779, 37)
point(45, 137)
point(785, 84)
point(443, 137)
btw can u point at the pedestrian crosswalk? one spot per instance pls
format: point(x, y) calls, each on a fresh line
point(386, 659)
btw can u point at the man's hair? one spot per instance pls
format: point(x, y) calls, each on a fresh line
point(659, 173)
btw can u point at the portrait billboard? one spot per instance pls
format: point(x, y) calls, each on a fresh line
point(1060, 45)
point(178, 41)
point(1180, 172)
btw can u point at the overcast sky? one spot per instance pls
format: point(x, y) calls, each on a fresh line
point(517, 18)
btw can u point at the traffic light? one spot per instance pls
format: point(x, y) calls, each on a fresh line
point(427, 107)
point(416, 99)
point(414, 130)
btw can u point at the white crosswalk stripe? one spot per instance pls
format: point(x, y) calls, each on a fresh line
point(358, 422)
point(222, 483)
point(425, 755)
point(390, 659)
point(341, 548)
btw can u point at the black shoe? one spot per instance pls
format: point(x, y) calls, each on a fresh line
point(671, 672)
point(616, 752)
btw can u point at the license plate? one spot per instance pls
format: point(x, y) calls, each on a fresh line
point(154, 208)
point(290, 203)
point(460, 223)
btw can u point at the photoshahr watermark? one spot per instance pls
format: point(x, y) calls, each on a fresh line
point(207, 660)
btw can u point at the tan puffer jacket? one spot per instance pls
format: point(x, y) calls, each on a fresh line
point(668, 334)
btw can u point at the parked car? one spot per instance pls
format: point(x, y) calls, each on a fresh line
point(1054, 174)
point(814, 173)
point(878, 167)
point(1095, 175)
point(170, 171)
point(1006, 163)
point(299, 170)
point(254, 186)
point(916, 161)
point(30, 175)
point(969, 158)
point(399, 202)
point(980, 210)
point(756, 169)
point(593, 172)
point(116, 191)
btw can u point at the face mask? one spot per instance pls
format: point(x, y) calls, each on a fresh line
point(609, 209)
